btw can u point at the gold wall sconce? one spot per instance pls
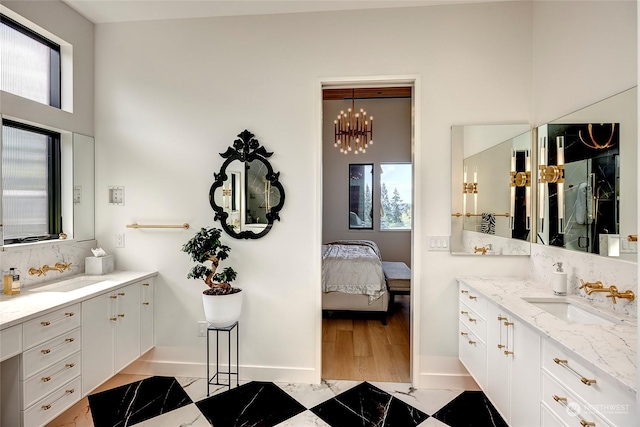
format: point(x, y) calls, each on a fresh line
point(470, 188)
point(551, 174)
point(520, 179)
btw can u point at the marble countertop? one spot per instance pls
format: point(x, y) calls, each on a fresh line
point(31, 303)
point(609, 349)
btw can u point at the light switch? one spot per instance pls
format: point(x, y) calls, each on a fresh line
point(77, 195)
point(438, 243)
point(116, 195)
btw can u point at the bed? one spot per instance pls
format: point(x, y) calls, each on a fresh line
point(353, 282)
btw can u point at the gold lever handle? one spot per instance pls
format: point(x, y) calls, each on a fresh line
point(559, 399)
point(464, 312)
point(507, 352)
point(471, 319)
point(500, 346)
point(472, 297)
point(501, 318)
point(464, 291)
point(464, 334)
point(472, 342)
point(508, 323)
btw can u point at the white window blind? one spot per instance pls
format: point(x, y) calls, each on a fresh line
point(25, 182)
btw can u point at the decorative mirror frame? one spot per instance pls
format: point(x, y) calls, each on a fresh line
point(246, 149)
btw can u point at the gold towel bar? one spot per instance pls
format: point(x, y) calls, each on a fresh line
point(458, 214)
point(136, 225)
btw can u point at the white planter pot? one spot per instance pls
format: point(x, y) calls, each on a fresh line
point(222, 310)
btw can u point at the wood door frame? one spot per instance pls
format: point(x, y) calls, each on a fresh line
point(416, 229)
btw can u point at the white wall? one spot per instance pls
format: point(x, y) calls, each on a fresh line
point(391, 143)
point(173, 94)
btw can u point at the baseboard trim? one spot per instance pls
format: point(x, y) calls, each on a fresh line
point(199, 370)
point(447, 381)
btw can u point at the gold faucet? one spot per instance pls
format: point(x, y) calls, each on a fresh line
point(480, 249)
point(613, 291)
point(42, 271)
point(590, 286)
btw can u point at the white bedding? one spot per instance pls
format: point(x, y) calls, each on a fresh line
point(353, 267)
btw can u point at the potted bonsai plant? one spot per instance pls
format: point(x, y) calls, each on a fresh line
point(222, 302)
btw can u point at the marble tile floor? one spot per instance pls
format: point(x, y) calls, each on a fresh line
point(172, 402)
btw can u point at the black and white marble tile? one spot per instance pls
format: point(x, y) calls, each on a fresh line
point(167, 402)
point(139, 401)
point(470, 409)
point(252, 404)
point(368, 405)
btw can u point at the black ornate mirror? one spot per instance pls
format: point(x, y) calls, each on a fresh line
point(246, 195)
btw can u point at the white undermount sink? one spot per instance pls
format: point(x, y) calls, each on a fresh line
point(70, 284)
point(573, 312)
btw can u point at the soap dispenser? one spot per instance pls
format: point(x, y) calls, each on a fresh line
point(559, 280)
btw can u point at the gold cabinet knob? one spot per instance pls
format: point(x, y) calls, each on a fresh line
point(46, 379)
point(113, 297)
point(587, 381)
point(121, 294)
point(113, 319)
point(145, 303)
point(46, 407)
point(120, 315)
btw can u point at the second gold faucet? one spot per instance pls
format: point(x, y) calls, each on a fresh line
point(591, 287)
point(42, 271)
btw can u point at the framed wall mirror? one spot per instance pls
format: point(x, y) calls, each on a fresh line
point(246, 195)
point(587, 178)
point(491, 189)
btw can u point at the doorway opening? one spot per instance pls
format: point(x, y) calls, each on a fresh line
point(368, 197)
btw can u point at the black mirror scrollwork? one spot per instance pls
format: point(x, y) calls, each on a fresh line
point(246, 195)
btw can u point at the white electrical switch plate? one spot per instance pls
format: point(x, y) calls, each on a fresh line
point(77, 195)
point(438, 243)
point(202, 328)
point(116, 195)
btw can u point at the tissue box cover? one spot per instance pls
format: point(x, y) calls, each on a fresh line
point(98, 265)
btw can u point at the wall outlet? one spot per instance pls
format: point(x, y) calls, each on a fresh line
point(202, 328)
point(119, 240)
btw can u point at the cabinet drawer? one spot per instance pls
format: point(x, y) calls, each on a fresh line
point(473, 321)
point(566, 406)
point(473, 300)
point(50, 379)
point(11, 339)
point(53, 405)
point(604, 395)
point(549, 419)
point(50, 352)
point(50, 325)
point(473, 354)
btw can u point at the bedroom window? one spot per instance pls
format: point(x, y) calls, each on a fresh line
point(31, 175)
point(395, 196)
point(30, 64)
point(361, 196)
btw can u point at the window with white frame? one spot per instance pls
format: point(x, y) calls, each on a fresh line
point(30, 64)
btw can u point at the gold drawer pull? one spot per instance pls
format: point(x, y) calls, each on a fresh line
point(472, 297)
point(464, 312)
point(145, 303)
point(471, 319)
point(464, 292)
point(66, 366)
point(501, 318)
point(145, 284)
point(508, 323)
point(120, 315)
point(113, 297)
point(584, 423)
point(565, 364)
point(472, 342)
point(121, 294)
point(464, 334)
point(113, 319)
point(500, 346)
point(559, 399)
point(47, 407)
point(49, 322)
point(48, 350)
point(507, 352)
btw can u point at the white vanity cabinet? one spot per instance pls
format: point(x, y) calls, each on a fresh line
point(569, 382)
point(147, 325)
point(472, 327)
point(513, 367)
point(116, 326)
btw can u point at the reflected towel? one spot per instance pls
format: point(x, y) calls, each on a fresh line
point(583, 206)
point(488, 225)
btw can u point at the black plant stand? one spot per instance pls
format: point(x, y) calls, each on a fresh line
point(215, 379)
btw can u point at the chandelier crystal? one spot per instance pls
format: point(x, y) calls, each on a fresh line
point(353, 131)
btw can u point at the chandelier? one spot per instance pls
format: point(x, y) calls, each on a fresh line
point(353, 132)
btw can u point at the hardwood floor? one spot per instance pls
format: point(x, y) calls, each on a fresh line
point(366, 349)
